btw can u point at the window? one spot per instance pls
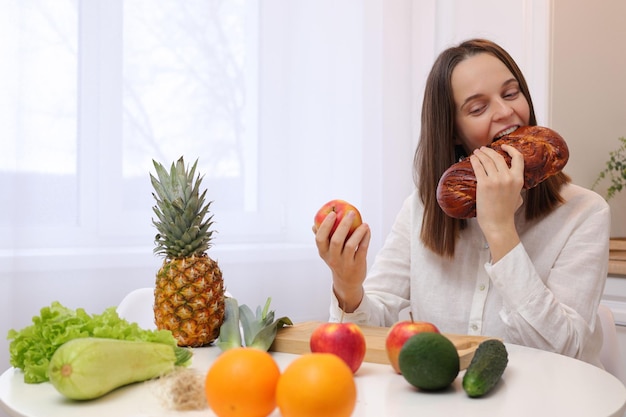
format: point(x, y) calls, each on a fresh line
point(96, 90)
point(189, 83)
point(270, 105)
point(39, 112)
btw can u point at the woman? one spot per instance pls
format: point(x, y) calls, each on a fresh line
point(530, 268)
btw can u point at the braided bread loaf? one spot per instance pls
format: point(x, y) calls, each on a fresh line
point(545, 154)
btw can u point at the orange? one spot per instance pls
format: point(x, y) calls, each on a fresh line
point(316, 385)
point(241, 382)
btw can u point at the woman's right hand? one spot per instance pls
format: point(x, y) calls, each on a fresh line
point(346, 258)
point(498, 197)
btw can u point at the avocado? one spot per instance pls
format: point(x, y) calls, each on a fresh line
point(429, 361)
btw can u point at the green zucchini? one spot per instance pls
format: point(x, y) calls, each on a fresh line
point(486, 368)
point(87, 368)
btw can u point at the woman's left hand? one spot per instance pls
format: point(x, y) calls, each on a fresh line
point(498, 196)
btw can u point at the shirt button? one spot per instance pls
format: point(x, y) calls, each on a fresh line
point(482, 287)
point(474, 327)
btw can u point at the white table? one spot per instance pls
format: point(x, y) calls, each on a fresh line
point(535, 383)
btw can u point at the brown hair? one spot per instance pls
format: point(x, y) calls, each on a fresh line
point(436, 149)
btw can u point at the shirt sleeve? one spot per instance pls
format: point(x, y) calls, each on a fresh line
point(557, 312)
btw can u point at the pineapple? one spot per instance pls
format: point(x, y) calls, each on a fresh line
point(189, 290)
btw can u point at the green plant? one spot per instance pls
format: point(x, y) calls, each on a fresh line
point(615, 169)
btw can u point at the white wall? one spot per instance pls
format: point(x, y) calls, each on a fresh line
point(589, 88)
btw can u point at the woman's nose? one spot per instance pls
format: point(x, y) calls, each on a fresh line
point(503, 110)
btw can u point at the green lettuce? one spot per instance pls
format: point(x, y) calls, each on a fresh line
point(32, 347)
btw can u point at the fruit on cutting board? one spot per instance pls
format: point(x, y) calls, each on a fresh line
point(346, 340)
point(242, 382)
point(89, 367)
point(341, 208)
point(316, 385)
point(399, 333)
point(486, 368)
point(189, 290)
point(429, 361)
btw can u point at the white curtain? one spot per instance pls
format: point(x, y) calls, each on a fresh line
point(280, 101)
point(286, 104)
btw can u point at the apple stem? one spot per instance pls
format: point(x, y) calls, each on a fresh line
point(411, 315)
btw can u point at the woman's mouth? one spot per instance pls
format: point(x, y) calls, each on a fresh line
point(506, 132)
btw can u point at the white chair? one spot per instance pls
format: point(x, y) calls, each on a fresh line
point(610, 355)
point(137, 307)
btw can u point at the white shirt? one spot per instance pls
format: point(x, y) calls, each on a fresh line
point(544, 293)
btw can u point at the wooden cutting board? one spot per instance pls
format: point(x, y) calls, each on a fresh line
point(295, 339)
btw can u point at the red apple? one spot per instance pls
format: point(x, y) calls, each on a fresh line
point(399, 333)
point(345, 340)
point(342, 208)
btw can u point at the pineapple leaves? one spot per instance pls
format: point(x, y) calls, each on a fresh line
point(265, 337)
point(251, 324)
point(182, 213)
point(230, 333)
point(259, 330)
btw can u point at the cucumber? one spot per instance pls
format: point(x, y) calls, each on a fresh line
point(486, 368)
point(89, 367)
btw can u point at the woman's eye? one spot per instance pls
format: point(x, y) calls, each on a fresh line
point(512, 94)
point(474, 110)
